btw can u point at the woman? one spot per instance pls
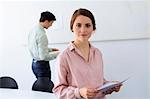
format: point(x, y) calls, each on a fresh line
point(80, 66)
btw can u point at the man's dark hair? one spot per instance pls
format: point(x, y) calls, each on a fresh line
point(47, 16)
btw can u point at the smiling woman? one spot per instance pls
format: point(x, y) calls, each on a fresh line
point(81, 62)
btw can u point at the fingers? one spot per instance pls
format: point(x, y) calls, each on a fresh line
point(87, 93)
point(108, 91)
point(117, 88)
point(91, 93)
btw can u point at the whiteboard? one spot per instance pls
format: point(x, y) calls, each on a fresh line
point(115, 20)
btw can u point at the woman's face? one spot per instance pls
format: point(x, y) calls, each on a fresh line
point(82, 27)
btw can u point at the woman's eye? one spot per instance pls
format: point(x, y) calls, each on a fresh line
point(78, 25)
point(88, 25)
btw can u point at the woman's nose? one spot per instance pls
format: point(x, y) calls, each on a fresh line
point(83, 29)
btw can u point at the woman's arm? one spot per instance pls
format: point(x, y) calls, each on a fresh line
point(62, 88)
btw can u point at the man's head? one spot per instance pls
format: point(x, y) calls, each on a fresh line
point(46, 19)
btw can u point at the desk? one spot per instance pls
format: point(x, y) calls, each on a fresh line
point(24, 94)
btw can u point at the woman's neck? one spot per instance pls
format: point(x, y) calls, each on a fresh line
point(84, 48)
point(81, 44)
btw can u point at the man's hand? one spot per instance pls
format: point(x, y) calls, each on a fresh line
point(55, 49)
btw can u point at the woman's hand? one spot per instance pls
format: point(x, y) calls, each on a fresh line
point(88, 93)
point(116, 89)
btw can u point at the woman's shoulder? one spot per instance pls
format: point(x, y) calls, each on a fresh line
point(63, 56)
point(96, 50)
point(64, 52)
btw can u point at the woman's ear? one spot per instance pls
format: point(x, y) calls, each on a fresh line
point(93, 32)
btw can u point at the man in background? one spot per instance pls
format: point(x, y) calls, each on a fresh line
point(38, 47)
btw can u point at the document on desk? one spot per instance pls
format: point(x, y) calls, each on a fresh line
point(110, 85)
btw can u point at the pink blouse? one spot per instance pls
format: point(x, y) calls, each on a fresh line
point(74, 72)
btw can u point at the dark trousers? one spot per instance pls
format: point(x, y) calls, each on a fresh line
point(41, 68)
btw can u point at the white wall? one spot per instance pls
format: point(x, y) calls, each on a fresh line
point(149, 64)
point(127, 58)
point(126, 19)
